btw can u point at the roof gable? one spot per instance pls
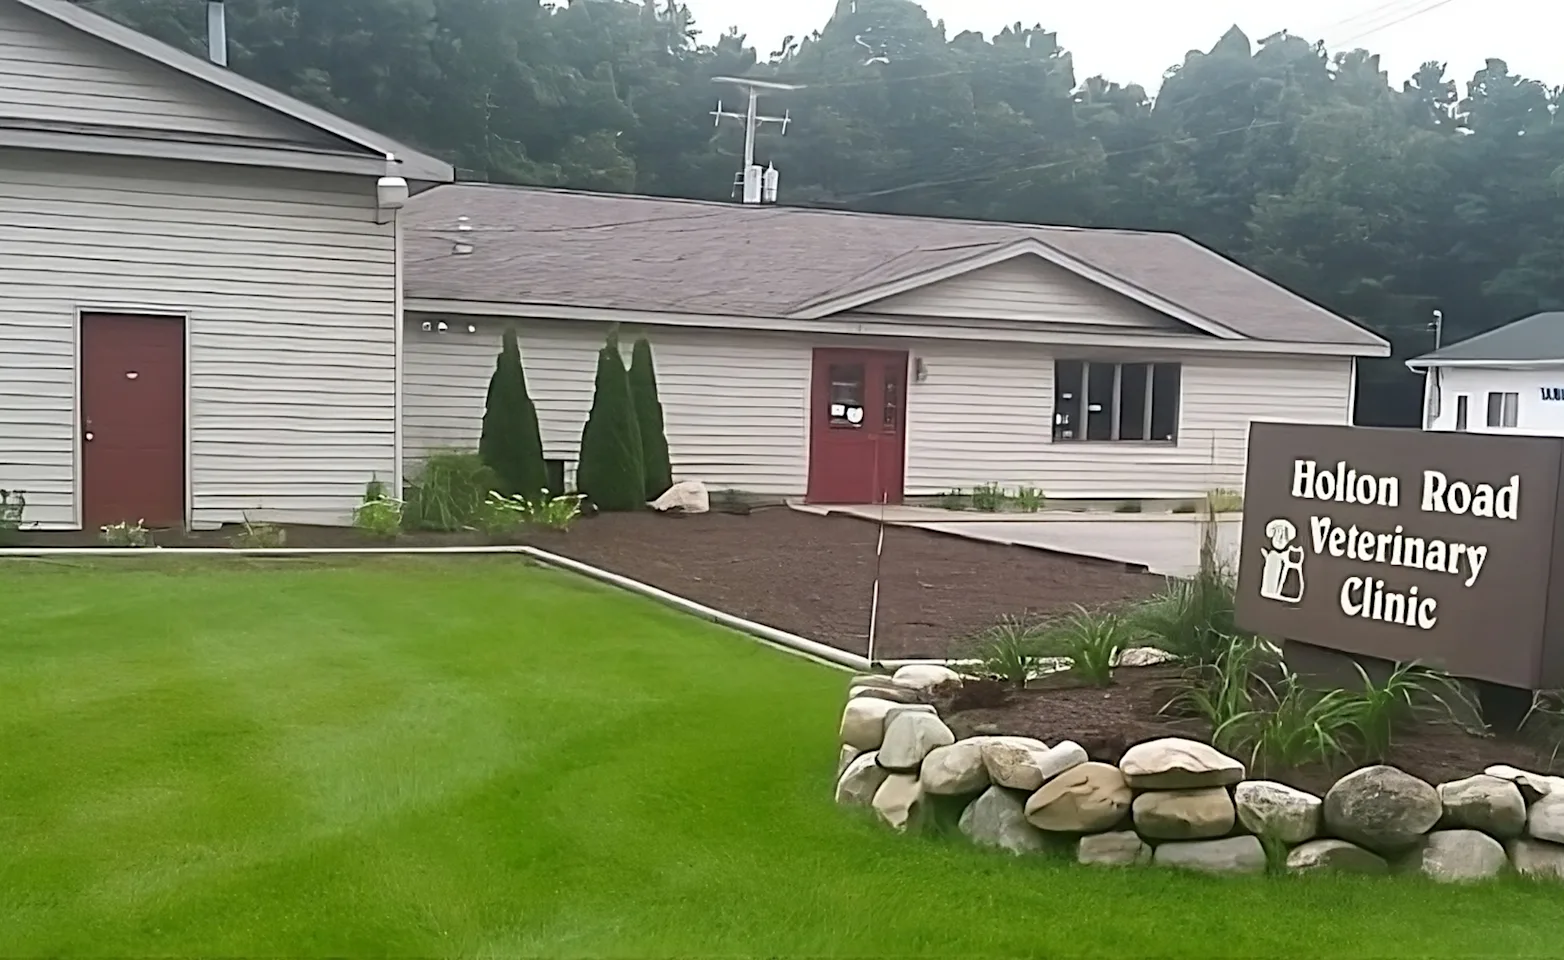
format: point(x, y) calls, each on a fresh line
point(68, 68)
point(1537, 339)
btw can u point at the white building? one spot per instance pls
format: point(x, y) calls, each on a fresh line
point(1087, 363)
point(200, 285)
point(1508, 380)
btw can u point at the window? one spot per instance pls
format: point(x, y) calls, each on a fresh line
point(846, 395)
point(1115, 401)
point(1503, 409)
point(1462, 402)
point(892, 399)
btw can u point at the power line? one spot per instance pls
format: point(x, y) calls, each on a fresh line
point(1428, 8)
point(1369, 15)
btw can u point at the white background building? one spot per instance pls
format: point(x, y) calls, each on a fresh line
point(1508, 380)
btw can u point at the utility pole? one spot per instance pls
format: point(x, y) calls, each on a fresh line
point(758, 185)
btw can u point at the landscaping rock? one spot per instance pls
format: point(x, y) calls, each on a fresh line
point(1086, 798)
point(857, 784)
point(1545, 819)
point(1457, 856)
point(892, 693)
point(1174, 763)
point(1334, 856)
point(1022, 767)
point(847, 755)
point(1275, 810)
point(925, 676)
point(1381, 808)
point(1144, 657)
point(998, 819)
point(863, 722)
point(1536, 858)
point(1243, 855)
point(1484, 803)
point(955, 769)
point(1123, 848)
point(909, 736)
point(1533, 786)
point(1184, 814)
point(902, 708)
point(897, 800)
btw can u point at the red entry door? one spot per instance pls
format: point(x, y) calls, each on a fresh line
point(857, 426)
point(133, 420)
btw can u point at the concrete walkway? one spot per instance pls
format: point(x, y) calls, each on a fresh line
point(1164, 543)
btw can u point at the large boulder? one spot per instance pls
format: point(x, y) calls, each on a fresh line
point(863, 722)
point(889, 692)
point(1381, 808)
point(1277, 811)
point(898, 799)
point(1536, 858)
point(955, 769)
point(909, 736)
point(1533, 786)
point(1122, 848)
point(1017, 764)
point(1174, 763)
point(998, 819)
point(1243, 855)
point(1484, 803)
point(1545, 819)
point(859, 782)
point(1457, 856)
point(1184, 814)
point(1334, 856)
point(845, 756)
point(924, 676)
point(1086, 798)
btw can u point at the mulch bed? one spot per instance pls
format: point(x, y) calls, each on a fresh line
point(1108, 720)
point(799, 572)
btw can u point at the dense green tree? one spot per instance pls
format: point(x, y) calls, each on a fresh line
point(511, 444)
point(1381, 200)
point(649, 416)
point(609, 470)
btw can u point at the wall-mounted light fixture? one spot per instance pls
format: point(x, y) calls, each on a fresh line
point(390, 196)
point(920, 370)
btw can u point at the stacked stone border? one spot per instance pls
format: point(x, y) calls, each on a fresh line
point(1182, 803)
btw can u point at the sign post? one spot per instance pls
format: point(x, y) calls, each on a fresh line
point(1408, 546)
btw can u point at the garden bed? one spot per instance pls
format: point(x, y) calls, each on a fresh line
point(1108, 720)
point(798, 572)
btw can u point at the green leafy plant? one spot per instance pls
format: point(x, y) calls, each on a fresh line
point(1092, 639)
point(259, 536)
point(1219, 691)
point(379, 516)
point(1195, 619)
point(989, 498)
point(449, 491)
point(510, 443)
point(1544, 724)
point(1222, 500)
point(953, 500)
point(504, 515)
point(1029, 499)
point(13, 503)
point(125, 534)
point(1386, 706)
point(1009, 650)
point(649, 414)
point(1297, 725)
point(611, 473)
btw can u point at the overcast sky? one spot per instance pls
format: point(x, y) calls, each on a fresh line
point(1134, 41)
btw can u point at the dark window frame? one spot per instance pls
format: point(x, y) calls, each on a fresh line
point(1073, 414)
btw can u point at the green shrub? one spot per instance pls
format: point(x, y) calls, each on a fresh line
point(1092, 639)
point(449, 491)
point(1029, 499)
point(502, 515)
point(610, 472)
point(379, 516)
point(1009, 650)
point(989, 498)
point(511, 444)
point(1222, 500)
point(649, 416)
point(125, 534)
point(13, 503)
point(953, 500)
point(259, 536)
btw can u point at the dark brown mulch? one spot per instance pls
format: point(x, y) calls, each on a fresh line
point(1108, 720)
point(806, 574)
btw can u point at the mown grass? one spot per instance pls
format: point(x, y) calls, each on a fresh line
point(476, 758)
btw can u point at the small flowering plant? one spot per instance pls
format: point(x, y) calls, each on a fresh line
point(502, 515)
point(125, 534)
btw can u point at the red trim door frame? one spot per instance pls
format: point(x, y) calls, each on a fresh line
point(132, 420)
point(857, 426)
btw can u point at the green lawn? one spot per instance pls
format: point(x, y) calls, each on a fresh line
point(440, 757)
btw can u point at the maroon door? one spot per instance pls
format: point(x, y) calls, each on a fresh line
point(857, 423)
point(133, 420)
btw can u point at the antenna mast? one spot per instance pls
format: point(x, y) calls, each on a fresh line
point(759, 186)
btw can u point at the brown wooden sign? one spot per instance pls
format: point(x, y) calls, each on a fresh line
point(1408, 546)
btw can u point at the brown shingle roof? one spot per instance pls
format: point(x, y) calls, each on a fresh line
point(553, 247)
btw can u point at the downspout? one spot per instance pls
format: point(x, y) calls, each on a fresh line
point(398, 336)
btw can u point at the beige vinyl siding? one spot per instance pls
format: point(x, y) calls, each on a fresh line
point(290, 289)
point(985, 414)
point(734, 404)
point(1025, 289)
point(52, 73)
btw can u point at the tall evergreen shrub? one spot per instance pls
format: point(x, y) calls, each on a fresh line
point(511, 445)
point(649, 416)
point(610, 471)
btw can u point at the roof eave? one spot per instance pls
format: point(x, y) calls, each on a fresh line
point(401, 160)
